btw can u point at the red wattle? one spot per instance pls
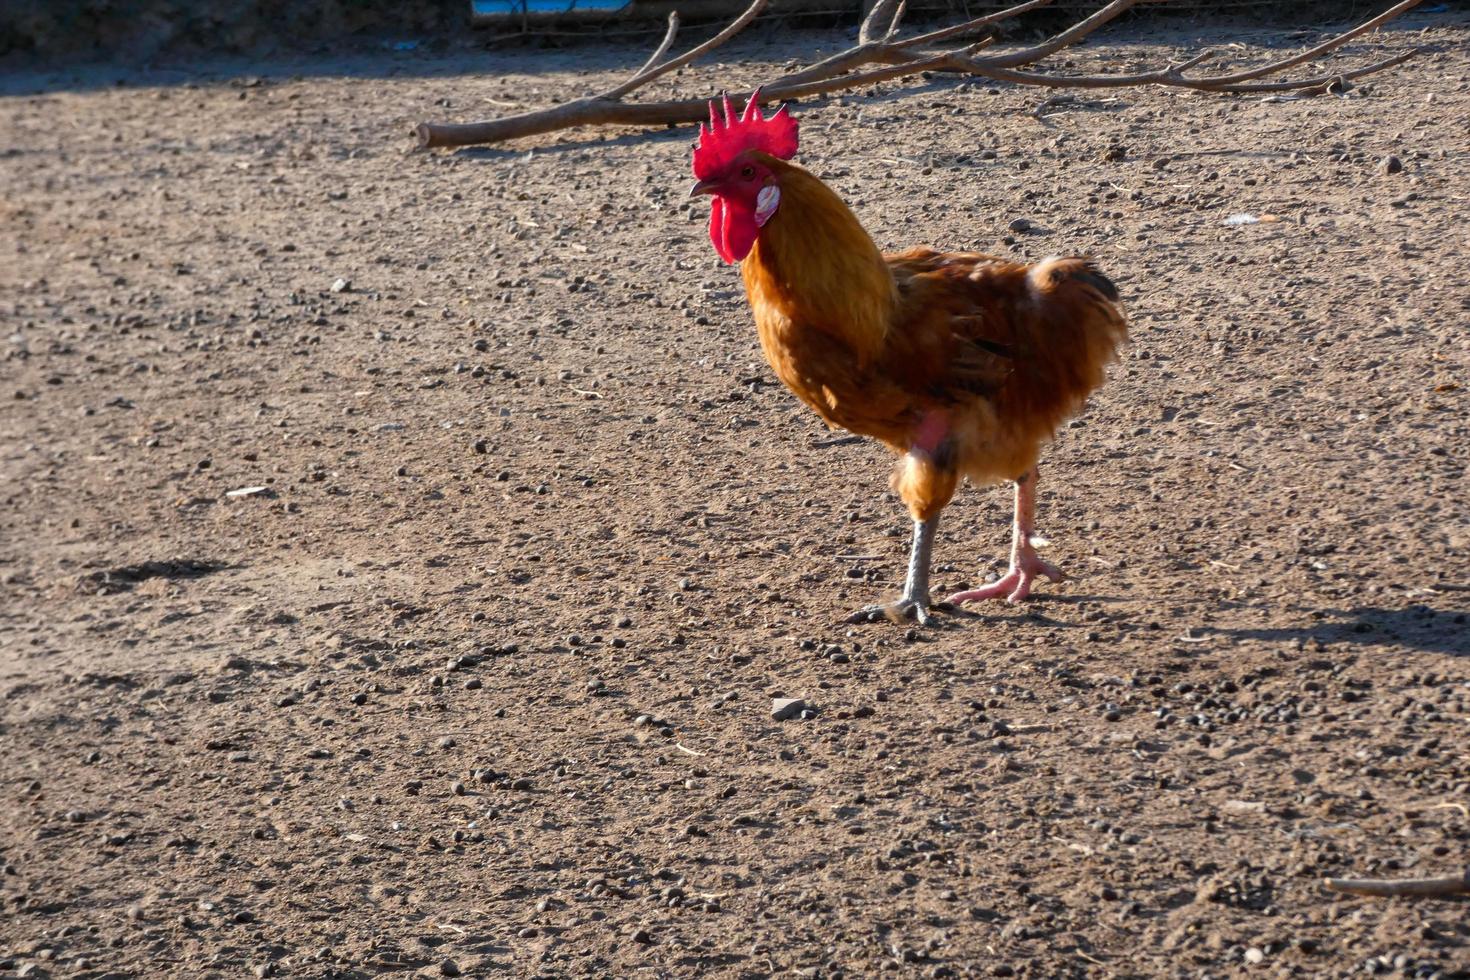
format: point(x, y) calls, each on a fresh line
point(733, 229)
point(717, 228)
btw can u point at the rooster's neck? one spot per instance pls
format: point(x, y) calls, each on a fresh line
point(814, 267)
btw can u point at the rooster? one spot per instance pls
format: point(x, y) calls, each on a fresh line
point(963, 364)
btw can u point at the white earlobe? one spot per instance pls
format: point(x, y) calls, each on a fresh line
point(765, 204)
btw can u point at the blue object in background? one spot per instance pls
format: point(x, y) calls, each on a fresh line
point(489, 9)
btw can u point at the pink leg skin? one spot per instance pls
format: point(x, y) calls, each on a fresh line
point(1026, 564)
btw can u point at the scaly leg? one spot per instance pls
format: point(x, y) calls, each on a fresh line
point(1026, 564)
point(915, 599)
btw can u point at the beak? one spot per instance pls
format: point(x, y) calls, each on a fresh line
point(703, 187)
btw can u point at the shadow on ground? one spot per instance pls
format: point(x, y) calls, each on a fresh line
point(1416, 627)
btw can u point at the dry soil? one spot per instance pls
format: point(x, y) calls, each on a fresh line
point(478, 678)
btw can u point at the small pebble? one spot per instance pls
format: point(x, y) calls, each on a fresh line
point(784, 708)
point(449, 968)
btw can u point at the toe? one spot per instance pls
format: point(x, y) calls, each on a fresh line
point(898, 611)
point(992, 591)
point(1022, 590)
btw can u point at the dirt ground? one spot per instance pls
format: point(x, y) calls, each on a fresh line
point(480, 680)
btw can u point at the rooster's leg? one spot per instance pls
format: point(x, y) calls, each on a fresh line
point(1026, 564)
point(915, 599)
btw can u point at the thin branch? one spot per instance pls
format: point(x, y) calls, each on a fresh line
point(898, 12)
point(1170, 77)
point(1198, 59)
point(1322, 48)
point(945, 33)
point(863, 54)
point(879, 11)
point(1322, 82)
point(1415, 887)
point(784, 90)
point(663, 46)
point(1067, 38)
point(649, 74)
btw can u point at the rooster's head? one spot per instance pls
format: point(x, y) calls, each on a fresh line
point(732, 163)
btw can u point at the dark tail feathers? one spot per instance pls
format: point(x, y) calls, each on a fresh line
point(1047, 274)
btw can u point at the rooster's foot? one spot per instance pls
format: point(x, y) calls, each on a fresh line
point(919, 610)
point(1015, 584)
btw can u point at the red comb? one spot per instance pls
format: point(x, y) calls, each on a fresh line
point(723, 140)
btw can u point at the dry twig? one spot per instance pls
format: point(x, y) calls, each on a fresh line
point(1413, 887)
point(902, 57)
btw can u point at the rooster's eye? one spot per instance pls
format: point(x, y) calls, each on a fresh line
point(748, 172)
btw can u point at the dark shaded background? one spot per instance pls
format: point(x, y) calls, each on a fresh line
point(135, 31)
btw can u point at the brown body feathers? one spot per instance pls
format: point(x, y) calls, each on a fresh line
point(964, 362)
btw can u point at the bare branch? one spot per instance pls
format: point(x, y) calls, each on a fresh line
point(582, 112)
point(1170, 77)
point(852, 68)
point(1320, 83)
point(783, 90)
point(898, 13)
point(647, 75)
point(1320, 49)
point(663, 46)
point(1067, 38)
point(971, 25)
point(1415, 887)
point(1198, 59)
point(588, 111)
point(880, 11)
